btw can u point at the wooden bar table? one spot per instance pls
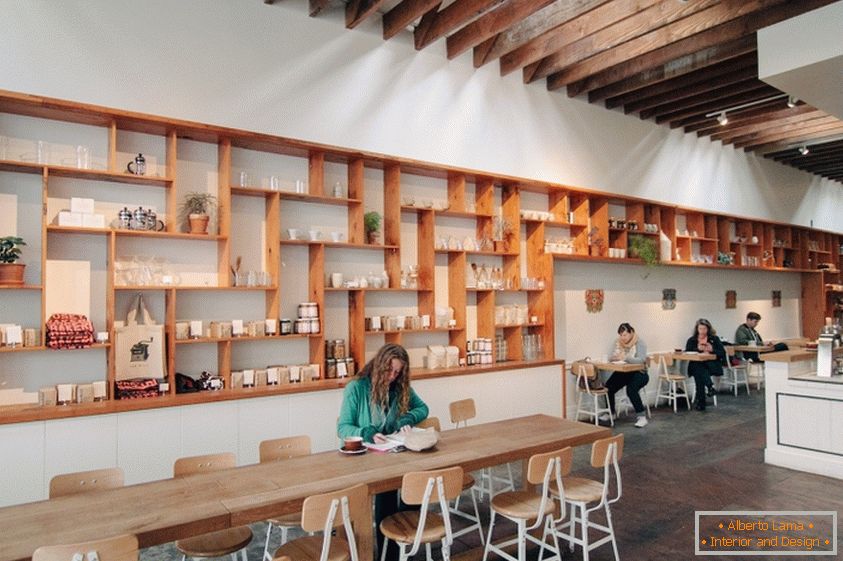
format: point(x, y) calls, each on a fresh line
point(620, 366)
point(693, 357)
point(162, 511)
point(754, 348)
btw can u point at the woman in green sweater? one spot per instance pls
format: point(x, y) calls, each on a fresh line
point(379, 400)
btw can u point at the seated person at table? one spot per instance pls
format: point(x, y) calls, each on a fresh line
point(629, 348)
point(705, 340)
point(747, 335)
point(379, 401)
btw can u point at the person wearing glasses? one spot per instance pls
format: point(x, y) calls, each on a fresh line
point(379, 401)
point(705, 340)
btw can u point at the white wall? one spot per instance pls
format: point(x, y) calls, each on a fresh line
point(273, 69)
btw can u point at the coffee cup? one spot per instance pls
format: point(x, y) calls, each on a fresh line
point(336, 280)
point(293, 233)
point(337, 237)
point(314, 235)
point(352, 443)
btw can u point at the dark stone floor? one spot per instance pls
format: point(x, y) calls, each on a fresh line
point(678, 464)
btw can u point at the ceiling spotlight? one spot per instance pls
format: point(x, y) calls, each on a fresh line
point(722, 119)
point(791, 101)
point(804, 150)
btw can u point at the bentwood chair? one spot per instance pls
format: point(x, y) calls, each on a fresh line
point(669, 381)
point(530, 510)
point(117, 548)
point(461, 412)
point(585, 373)
point(468, 483)
point(412, 528)
point(580, 492)
point(736, 374)
point(274, 450)
point(85, 482)
point(222, 542)
point(326, 513)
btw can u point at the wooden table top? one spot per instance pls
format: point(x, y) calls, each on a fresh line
point(754, 349)
point(161, 511)
point(694, 357)
point(620, 366)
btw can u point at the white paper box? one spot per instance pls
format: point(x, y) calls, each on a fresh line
point(67, 218)
point(196, 328)
point(248, 378)
point(272, 375)
point(237, 327)
point(93, 220)
point(81, 205)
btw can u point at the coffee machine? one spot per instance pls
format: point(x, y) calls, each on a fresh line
point(827, 343)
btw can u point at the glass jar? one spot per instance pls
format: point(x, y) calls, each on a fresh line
point(330, 368)
point(302, 326)
point(339, 349)
point(315, 326)
point(286, 326)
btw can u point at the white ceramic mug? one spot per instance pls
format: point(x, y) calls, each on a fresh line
point(337, 236)
point(293, 233)
point(336, 280)
point(314, 235)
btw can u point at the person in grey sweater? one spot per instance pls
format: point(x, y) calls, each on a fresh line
point(629, 348)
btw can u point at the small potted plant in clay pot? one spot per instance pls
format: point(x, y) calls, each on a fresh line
point(11, 272)
point(371, 224)
point(196, 211)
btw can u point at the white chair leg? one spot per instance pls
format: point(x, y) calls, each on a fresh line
point(244, 554)
point(522, 540)
point(383, 548)
point(427, 551)
point(266, 555)
point(446, 551)
point(584, 527)
point(489, 538)
point(477, 515)
point(612, 533)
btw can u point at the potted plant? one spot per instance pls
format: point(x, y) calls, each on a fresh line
point(11, 272)
point(645, 249)
point(371, 224)
point(196, 210)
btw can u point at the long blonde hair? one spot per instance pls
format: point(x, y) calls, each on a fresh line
point(378, 370)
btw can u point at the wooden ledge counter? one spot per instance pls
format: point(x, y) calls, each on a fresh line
point(162, 511)
point(620, 367)
point(694, 357)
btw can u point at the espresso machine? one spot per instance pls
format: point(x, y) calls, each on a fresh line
point(827, 343)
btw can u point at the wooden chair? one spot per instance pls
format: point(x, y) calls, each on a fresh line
point(222, 542)
point(530, 510)
point(461, 412)
point(585, 372)
point(410, 529)
point(669, 381)
point(468, 483)
point(735, 374)
point(323, 513)
point(274, 450)
point(117, 548)
point(580, 492)
point(86, 482)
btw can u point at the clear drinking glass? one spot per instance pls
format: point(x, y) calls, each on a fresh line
point(83, 157)
point(42, 152)
point(244, 179)
point(4, 147)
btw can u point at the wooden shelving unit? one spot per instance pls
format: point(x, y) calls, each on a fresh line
point(588, 219)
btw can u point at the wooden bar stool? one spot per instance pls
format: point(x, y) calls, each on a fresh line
point(86, 482)
point(669, 382)
point(276, 450)
point(468, 483)
point(461, 412)
point(222, 542)
point(522, 507)
point(580, 492)
point(586, 372)
point(117, 548)
point(323, 513)
point(410, 529)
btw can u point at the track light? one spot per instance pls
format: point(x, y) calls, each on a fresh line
point(804, 150)
point(791, 101)
point(721, 113)
point(722, 119)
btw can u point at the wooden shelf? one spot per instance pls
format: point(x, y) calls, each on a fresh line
point(132, 233)
point(369, 289)
point(211, 340)
point(89, 174)
point(478, 252)
point(196, 288)
point(696, 238)
point(49, 349)
point(20, 287)
point(554, 223)
point(347, 245)
point(21, 349)
point(428, 330)
point(518, 325)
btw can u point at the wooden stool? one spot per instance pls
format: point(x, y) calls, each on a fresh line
point(586, 371)
point(669, 382)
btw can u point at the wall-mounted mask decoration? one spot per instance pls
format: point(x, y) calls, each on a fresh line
point(731, 299)
point(777, 298)
point(668, 298)
point(594, 300)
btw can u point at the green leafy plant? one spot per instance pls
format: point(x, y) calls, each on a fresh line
point(198, 203)
point(10, 249)
point(371, 222)
point(645, 249)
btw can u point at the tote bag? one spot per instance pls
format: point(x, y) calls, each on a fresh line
point(139, 347)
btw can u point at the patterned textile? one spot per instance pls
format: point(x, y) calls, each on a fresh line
point(69, 331)
point(136, 388)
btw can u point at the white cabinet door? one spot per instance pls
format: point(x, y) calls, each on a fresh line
point(22, 463)
point(148, 443)
point(261, 419)
point(316, 414)
point(80, 444)
point(209, 428)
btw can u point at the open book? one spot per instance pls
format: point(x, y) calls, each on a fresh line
point(394, 442)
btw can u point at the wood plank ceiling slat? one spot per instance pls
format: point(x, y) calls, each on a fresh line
point(356, 11)
point(688, 93)
point(451, 18)
point(403, 14)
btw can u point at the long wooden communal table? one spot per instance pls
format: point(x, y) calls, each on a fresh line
point(162, 511)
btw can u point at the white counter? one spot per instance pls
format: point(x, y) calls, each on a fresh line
point(804, 415)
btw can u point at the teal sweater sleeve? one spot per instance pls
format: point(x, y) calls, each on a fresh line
point(417, 412)
point(355, 418)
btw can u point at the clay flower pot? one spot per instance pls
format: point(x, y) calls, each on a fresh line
point(198, 223)
point(11, 274)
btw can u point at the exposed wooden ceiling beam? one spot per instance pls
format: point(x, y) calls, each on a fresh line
point(755, 94)
point(402, 15)
point(729, 132)
point(532, 26)
point(800, 137)
point(746, 64)
point(709, 125)
point(817, 150)
point(358, 10)
point(678, 94)
point(676, 67)
point(593, 73)
point(572, 31)
point(704, 93)
point(317, 6)
point(781, 130)
point(450, 18)
point(490, 24)
point(644, 20)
